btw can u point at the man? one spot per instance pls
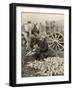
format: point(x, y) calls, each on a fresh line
point(42, 51)
point(27, 32)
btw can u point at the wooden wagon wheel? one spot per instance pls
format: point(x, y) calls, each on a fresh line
point(56, 42)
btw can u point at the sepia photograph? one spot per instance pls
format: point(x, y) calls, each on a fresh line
point(42, 44)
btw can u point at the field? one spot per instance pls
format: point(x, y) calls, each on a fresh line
point(51, 66)
point(42, 45)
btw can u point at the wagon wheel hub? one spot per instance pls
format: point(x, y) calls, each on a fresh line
point(55, 41)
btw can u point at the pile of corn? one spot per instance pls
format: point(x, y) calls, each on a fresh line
point(50, 66)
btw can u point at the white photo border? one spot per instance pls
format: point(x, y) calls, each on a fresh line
point(19, 79)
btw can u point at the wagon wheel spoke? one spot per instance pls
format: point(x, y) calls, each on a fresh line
point(53, 46)
point(58, 36)
point(56, 48)
point(61, 42)
point(51, 37)
point(55, 35)
point(61, 47)
point(50, 42)
point(61, 39)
